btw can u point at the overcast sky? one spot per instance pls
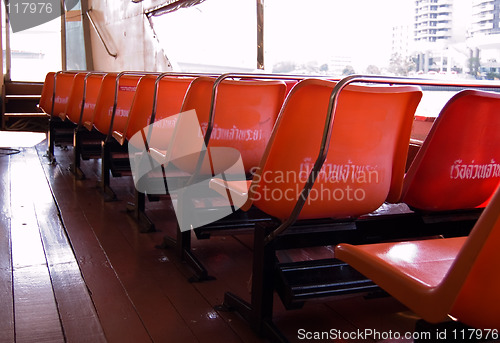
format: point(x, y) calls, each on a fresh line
point(358, 28)
point(224, 32)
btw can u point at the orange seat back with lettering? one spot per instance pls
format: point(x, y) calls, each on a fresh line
point(244, 116)
point(170, 95)
point(92, 91)
point(74, 106)
point(458, 166)
point(63, 83)
point(366, 157)
point(103, 113)
point(45, 103)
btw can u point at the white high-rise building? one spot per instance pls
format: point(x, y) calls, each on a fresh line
point(485, 18)
point(484, 36)
point(440, 33)
point(402, 40)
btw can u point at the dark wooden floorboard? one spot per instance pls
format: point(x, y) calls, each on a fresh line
point(78, 316)
point(36, 315)
point(117, 315)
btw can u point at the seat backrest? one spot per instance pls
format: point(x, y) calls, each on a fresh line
point(170, 95)
point(290, 84)
point(103, 113)
point(63, 83)
point(93, 86)
point(474, 275)
point(244, 116)
point(74, 106)
point(366, 156)
point(45, 103)
point(458, 166)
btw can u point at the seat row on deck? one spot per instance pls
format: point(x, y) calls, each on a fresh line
point(300, 161)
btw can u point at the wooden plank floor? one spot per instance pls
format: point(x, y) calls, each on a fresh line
point(47, 289)
point(75, 268)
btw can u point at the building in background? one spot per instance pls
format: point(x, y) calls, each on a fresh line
point(402, 39)
point(440, 34)
point(453, 37)
point(484, 38)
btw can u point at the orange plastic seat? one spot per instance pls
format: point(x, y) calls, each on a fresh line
point(111, 112)
point(363, 165)
point(45, 103)
point(55, 108)
point(107, 114)
point(440, 277)
point(170, 95)
point(367, 152)
point(290, 84)
point(244, 114)
point(74, 105)
point(93, 87)
point(86, 144)
point(458, 166)
point(63, 83)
